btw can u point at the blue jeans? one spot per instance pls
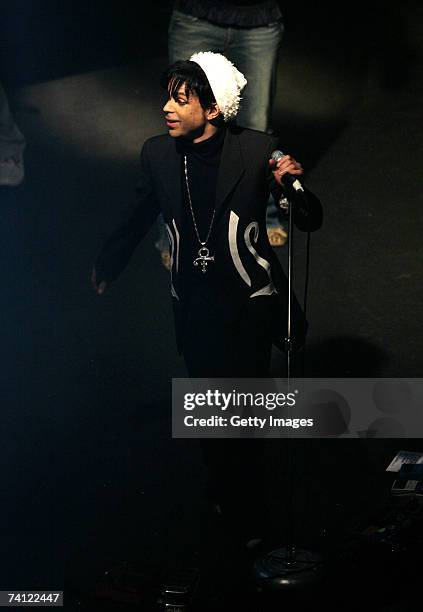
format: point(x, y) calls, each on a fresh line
point(254, 51)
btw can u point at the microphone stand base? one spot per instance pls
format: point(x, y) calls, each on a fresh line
point(285, 569)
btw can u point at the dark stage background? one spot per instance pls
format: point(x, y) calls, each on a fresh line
point(49, 39)
point(90, 475)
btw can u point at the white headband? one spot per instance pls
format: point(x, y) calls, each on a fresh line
point(225, 81)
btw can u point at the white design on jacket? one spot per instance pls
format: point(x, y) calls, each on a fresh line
point(232, 234)
point(177, 244)
point(172, 253)
point(233, 247)
point(270, 288)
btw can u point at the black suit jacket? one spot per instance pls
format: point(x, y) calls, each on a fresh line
point(245, 263)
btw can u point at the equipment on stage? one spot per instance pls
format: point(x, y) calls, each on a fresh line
point(148, 587)
point(408, 467)
point(179, 590)
point(379, 556)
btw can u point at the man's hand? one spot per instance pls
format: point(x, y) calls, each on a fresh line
point(99, 288)
point(286, 165)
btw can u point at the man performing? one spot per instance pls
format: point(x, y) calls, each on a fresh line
point(210, 180)
point(249, 33)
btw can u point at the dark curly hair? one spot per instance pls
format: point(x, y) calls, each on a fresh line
point(190, 74)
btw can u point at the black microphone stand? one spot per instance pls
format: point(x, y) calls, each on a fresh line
point(288, 568)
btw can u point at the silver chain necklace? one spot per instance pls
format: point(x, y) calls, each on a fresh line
point(204, 256)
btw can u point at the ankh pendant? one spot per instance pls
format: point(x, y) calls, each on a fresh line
point(203, 259)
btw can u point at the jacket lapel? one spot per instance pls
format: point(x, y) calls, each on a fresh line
point(231, 168)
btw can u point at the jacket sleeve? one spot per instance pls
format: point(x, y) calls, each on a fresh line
point(118, 248)
point(307, 208)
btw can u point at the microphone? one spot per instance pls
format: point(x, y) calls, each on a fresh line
point(288, 178)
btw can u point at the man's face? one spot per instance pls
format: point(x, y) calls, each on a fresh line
point(184, 115)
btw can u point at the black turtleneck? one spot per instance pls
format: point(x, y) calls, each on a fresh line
point(203, 160)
